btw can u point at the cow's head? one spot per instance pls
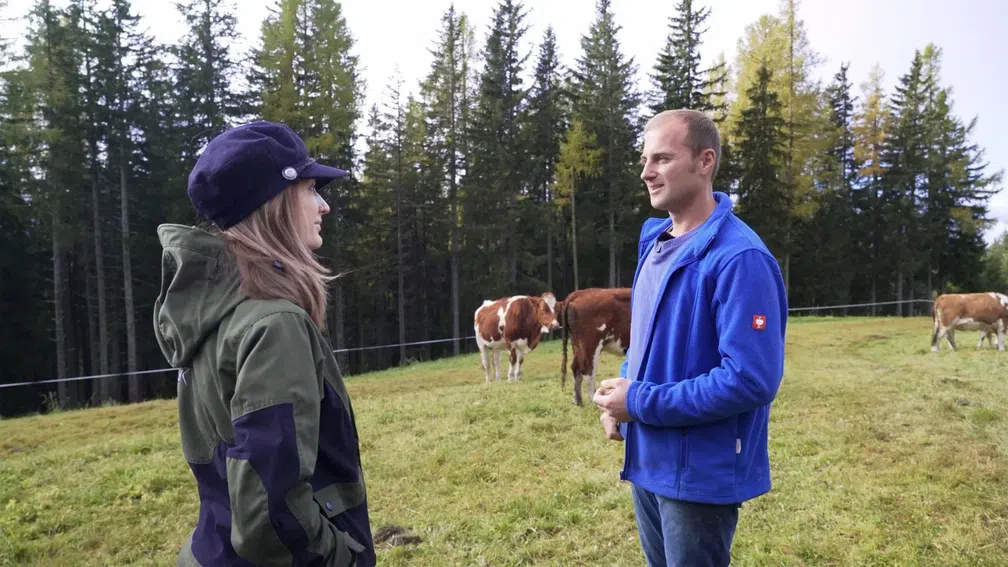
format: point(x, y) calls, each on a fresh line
point(546, 312)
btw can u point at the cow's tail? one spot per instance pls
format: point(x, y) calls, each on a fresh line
point(563, 339)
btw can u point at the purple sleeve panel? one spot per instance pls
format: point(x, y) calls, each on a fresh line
point(266, 440)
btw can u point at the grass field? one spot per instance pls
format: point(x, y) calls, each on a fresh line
point(882, 453)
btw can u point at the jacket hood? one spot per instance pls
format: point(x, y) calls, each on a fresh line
point(198, 289)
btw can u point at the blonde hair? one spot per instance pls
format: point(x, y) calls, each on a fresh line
point(273, 262)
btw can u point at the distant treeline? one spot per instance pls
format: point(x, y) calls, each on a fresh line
point(473, 184)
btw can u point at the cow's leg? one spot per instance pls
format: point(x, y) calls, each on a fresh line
point(497, 355)
point(485, 359)
point(1000, 337)
point(513, 364)
point(939, 334)
point(950, 335)
point(983, 335)
point(532, 343)
point(596, 357)
point(583, 360)
point(576, 369)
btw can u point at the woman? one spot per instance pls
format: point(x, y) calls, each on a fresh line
point(266, 424)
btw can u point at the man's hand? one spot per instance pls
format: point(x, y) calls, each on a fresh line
point(611, 427)
point(611, 398)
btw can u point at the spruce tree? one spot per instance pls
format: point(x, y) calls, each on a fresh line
point(870, 132)
point(606, 101)
point(498, 171)
point(762, 197)
point(904, 159)
point(955, 190)
point(308, 77)
point(23, 237)
point(679, 81)
point(716, 91)
point(206, 72)
point(547, 122)
point(781, 43)
point(446, 97)
point(828, 249)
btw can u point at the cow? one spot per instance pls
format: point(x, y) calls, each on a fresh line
point(595, 320)
point(515, 324)
point(984, 312)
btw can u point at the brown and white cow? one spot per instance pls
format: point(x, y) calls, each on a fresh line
point(595, 320)
point(984, 312)
point(514, 324)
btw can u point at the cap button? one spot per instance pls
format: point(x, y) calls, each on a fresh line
point(289, 173)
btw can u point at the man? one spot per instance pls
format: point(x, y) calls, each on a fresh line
point(708, 315)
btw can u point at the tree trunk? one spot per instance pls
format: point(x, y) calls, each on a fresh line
point(513, 238)
point(103, 334)
point(874, 298)
point(100, 340)
point(75, 332)
point(909, 299)
point(456, 312)
point(135, 388)
point(59, 305)
point(612, 211)
point(574, 234)
point(899, 293)
point(401, 300)
point(379, 330)
point(90, 303)
point(930, 284)
point(115, 346)
point(421, 242)
point(612, 248)
point(453, 184)
point(549, 255)
point(361, 356)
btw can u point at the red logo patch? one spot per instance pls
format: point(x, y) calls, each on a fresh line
point(759, 322)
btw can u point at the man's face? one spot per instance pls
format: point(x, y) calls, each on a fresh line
point(672, 175)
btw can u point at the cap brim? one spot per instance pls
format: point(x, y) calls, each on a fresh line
point(322, 174)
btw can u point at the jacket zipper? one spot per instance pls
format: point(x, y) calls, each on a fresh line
point(626, 452)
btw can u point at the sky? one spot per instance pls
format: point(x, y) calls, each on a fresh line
point(399, 35)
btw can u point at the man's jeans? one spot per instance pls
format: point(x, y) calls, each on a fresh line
point(675, 533)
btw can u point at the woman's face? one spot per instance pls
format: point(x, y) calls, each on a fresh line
point(311, 207)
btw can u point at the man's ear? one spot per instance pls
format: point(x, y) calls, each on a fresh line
point(707, 158)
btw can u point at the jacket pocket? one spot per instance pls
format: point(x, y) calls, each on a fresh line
point(709, 455)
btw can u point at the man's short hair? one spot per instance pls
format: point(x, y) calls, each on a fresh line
point(701, 132)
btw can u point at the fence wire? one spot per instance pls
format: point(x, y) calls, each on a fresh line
point(850, 305)
point(162, 370)
point(419, 343)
